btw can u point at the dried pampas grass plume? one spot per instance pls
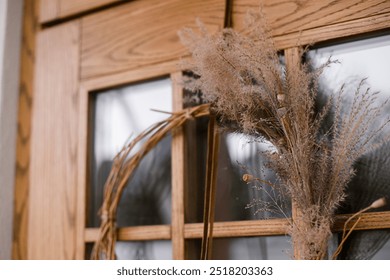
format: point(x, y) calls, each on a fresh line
point(250, 91)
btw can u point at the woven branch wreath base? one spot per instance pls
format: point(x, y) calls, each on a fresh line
point(122, 170)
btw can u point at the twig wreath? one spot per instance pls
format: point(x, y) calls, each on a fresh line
point(247, 89)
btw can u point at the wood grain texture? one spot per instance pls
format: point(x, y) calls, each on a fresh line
point(179, 174)
point(54, 139)
point(240, 228)
point(193, 231)
point(82, 164)
point(48, 10)
point(72, 7)
point(19, 246)
point(335, 31)
point(139, 233)
point(369, 221)
point(141, 33)
point(293, 61)
point(53, 10)
point(133, 75)
point(373, 220)
point(297, 22)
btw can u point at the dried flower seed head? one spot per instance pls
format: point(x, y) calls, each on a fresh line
point(250, 91)
point(247, 178)
point(281, 98)
point(378, 203)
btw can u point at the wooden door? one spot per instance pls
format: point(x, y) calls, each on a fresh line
point(83, 47)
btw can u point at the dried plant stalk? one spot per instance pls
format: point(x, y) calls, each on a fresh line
point(250, 91)
point(124, 166)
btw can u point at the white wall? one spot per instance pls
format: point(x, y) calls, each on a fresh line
point(10, 40)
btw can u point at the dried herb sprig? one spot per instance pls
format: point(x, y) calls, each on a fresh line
point(250, 91)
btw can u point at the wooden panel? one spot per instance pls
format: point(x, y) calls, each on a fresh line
point(296, 22)
point(335, 31)
point(136, 34)
point(72, 7)
point(54, 139)
point(179, 174)
point(130, 76)
point(48, 10)
point(19, 247)
point(52, 10)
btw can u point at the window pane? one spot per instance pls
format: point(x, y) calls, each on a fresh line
point(363, 245)
point(144, 250)
point(369, 58)
point(238, 154)
point(235, 199)
point(118, 115)
point(246, 248)
point(384, 252)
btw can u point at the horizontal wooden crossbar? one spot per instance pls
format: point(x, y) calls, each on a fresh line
point(369, 221)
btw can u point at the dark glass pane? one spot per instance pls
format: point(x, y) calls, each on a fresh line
point(119, 116)
point(235, 199)
point(368, 58)
point(384, 252)
point(363, 245)
point(238, 154)
point(246, 248)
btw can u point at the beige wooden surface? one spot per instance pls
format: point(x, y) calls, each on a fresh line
point(295, 22)
point(290, 16)
point(19, 246)
point(71, 7)
point(54, 140)
point(137, 34)
point(48, 10)
point(52, 10)
point(341, 30)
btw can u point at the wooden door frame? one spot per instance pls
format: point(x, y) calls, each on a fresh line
point(293, 26)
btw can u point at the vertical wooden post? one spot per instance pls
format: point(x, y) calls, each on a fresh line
point(178, 175)
point(54, 145)
point(293, 59)
point(30, 28)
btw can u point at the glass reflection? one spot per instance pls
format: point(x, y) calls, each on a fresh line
point(238, 154)
point(144, 250)
point(384, 252)
point(253, 248)
point(364, 59)
point(119, 114)
point(245, 248)
point(235, 199)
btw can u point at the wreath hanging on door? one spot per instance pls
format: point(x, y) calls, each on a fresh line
point(247, 89)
